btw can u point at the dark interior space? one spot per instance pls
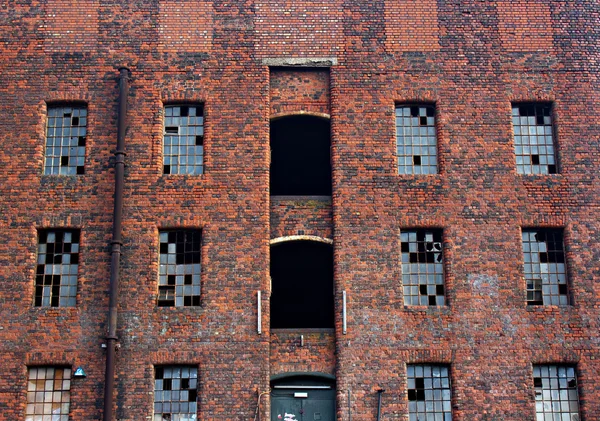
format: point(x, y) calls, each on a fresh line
point(302, 285)
point(300, 156)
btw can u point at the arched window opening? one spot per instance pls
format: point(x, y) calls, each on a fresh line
point(300, 156)
point(302, 285)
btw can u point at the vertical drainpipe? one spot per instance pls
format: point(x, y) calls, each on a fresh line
point(115, 258)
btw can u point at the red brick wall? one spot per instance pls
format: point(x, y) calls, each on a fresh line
point(473, 62)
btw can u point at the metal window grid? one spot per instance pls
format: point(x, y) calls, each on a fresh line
point(422, 267)
point(183, 149)
point(545, 269)
point(175, 393)
point(65, 140)
point(57, 267)
point(179, 273)
point(534, 139)
point(416, 139)
point(48, 394)
point(556, 396)
point(429, 396)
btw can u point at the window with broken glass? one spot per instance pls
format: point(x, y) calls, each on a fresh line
point(416, 139)
point(545, 269)
point(48, 394)
point(57, 267)
point(534, 138)
point(183, 144)
point(179, 273)
point(556, 397)
point(422, 267)
point(65, 140)
point(429, 393)
point(175, 393)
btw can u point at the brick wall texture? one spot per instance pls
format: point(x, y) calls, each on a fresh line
point(471, 58)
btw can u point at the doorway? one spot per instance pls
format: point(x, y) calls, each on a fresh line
point(303, 398)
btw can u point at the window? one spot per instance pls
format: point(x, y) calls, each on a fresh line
point(48, 394)
point(175, 393)
point(428, 393)
point(556, 397)
point(183, 151)
point(416, 139)
point(57, 266)
point(65, 140)
point(179, 276)
point(534, 140)
point(545, 271)
point(422, 267)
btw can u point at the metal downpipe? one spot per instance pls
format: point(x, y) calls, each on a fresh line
point(115, 258)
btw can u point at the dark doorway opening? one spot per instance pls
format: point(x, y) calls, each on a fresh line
point(303, 398)
point(302, 285)
point(300, 156)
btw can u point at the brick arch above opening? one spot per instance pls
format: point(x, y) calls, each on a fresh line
point(300, 238)
point(284, 114)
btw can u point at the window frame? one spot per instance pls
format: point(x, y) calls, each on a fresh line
point(195, 299)
point(430, 366)
point(418, 285)
point(438, 167)
point(155, 380)
point(554, 132)
point(198, 105)
point(568, 294)
point(80, 105)
point(556, 366)
point(44, 232)
point(65, 417)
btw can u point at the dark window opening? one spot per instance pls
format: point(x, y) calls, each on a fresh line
point(300, 156)
point(302, 285)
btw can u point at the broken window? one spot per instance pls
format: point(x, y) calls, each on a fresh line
point(65, 140)
point(179, 273)
point(534, 138)
point(183, 149)
point(416, 139)
point(300, 156)
point(422, 267)
point(545, 270)
point(428, 392)
point(556, 396)
point(48, 394)
point(57, 267)
point(175, 393)
point(302, 285)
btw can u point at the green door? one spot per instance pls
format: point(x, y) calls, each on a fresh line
point(302, 404)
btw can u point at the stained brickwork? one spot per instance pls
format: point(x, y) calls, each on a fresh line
point(472, 59)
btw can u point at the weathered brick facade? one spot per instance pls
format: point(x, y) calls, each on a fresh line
point(358, 59)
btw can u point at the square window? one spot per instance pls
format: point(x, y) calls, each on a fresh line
point(66, 132)
point(416, 140)
point(422, 267)
point(533, 138)
point(545, 267)
point(179, 268)
point(57, 267)
point(183, 139)
point(175, 393)
point(429, 396)
point(556, 392)
point(48, 393)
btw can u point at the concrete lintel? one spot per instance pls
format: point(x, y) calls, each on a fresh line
point(300, 62)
